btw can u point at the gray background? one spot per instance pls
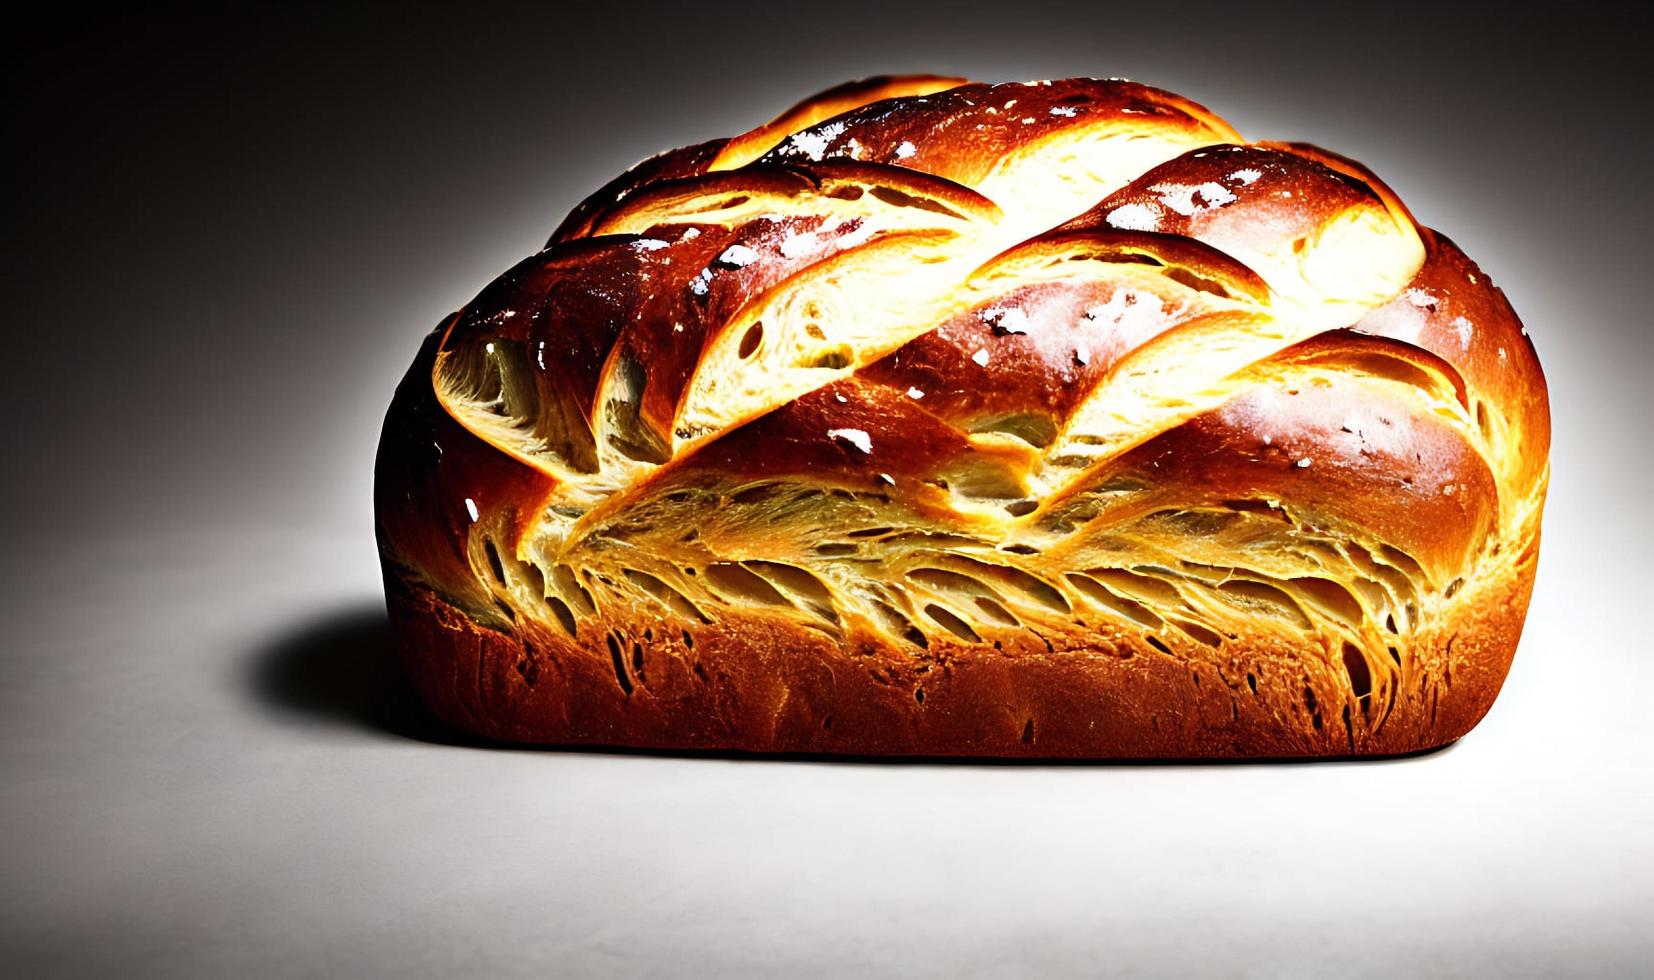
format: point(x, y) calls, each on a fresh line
point(228, 233)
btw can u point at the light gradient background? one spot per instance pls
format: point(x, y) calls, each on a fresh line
point(228, 233)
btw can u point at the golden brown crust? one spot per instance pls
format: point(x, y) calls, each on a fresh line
point(939, 418)
point(764, 684)
point(847, 97)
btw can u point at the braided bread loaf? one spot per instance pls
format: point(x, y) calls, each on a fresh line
point(935, 417)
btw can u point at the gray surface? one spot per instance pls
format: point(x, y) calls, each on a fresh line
point(237, 229)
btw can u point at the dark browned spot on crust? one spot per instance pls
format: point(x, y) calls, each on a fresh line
point(619, 664)
point(750, 341)
point(1361, 677)
point(494, 564)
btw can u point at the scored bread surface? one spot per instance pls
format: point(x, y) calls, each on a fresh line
point(943, 418)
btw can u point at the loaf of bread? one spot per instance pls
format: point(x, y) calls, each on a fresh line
point(946, 418)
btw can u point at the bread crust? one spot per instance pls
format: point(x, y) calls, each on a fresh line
point(764, 684)
point(611, 511)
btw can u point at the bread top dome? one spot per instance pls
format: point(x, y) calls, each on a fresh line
point(925, 357)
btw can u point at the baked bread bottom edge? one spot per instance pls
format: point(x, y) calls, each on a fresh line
point(759, 682)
